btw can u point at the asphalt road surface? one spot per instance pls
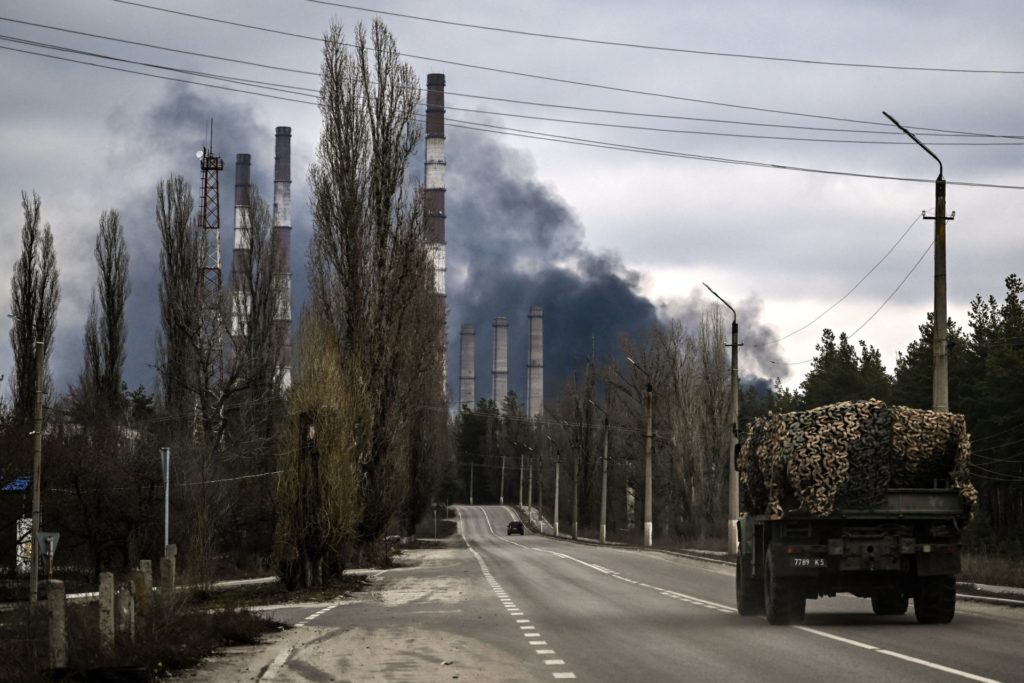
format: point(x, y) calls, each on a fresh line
point(532, 608)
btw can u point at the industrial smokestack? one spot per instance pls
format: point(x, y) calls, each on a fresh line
point(240, 304)
point(467, 372)
point(283, 247)
point(433, 194)
point(499, 368)
point(535, 364)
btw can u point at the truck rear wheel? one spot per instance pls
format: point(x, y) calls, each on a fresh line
point(782, 603)
point(749, 592)
point(889, 603)
point(935, 601)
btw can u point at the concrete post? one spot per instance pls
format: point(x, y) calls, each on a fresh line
point(146, 571)
point(167, 568)
point(125, 612)
point(58, 624)
point(106, 624)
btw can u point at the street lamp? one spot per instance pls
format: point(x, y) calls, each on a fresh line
point(940, 369)
point(604, 477)
point(648, 446)
point(734, 417)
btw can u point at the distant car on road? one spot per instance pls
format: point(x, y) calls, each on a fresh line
point(516, 527)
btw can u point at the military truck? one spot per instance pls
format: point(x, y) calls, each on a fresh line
point(856, 497)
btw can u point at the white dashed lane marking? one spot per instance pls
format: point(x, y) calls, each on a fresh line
point(529, 630)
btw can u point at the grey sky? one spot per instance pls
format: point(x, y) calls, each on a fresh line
point(782, 245)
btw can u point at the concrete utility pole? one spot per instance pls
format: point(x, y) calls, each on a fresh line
point(165, 466)
point(529, 488)
point(558, 469)
point(648, 448)
point(37, 468)
point(520, 474)
point(501, 495)
point(604, 478)
point(940, 367)
point(734, 418)
point(576, 491)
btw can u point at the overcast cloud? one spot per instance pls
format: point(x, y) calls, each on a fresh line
point(603, 239)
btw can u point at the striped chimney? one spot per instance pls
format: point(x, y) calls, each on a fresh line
point(433, 197)
point(240, 303)
point(535, 364)
point(499, 367)
point(283, 247)
point(467, 364)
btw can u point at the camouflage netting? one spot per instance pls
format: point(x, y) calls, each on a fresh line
point(846, 455)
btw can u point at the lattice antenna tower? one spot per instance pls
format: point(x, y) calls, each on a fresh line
point(210, 282)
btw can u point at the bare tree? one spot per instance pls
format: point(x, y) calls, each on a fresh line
point(35, 294)
point(114, 287)
point(180, 308)
point(99, 390)
point(368, 262)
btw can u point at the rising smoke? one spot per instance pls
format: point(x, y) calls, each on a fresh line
point(514, 243)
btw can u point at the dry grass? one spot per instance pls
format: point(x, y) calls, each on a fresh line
point(995, 570)
point(166, 639)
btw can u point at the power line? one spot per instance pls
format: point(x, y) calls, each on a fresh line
point(518, 132)
point(677, 131)
point(889, 298)
point(851, 291)
point(661, 48)
point(509, 72)
point(522, 133)
point(305, 72)
point(880, 307)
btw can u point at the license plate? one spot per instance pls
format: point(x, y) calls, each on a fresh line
point(807, 562)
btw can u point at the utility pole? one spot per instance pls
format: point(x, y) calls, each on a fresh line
point(37, 468)
point(529, 488)
point(540, 493)
point(501, 495)
point(940, 358)
point(576, 490)
point(604, 478)
point(471, 466)
point(648, 448)
point(520, 475)
point(734, 418)
point(558, 469)
point(165, 466)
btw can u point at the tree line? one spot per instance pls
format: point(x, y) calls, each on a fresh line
point(688, 371)
point(305, 478)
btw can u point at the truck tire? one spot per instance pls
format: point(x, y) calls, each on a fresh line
point(749, 591)
point(935, 601)
point(782, 603)
point(889, 603)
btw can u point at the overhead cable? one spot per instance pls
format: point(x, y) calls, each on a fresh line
point(663, 48)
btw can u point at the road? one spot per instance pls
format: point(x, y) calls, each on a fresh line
point(532, 608)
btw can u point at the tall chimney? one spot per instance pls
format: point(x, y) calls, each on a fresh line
point(467, 373)
point(283, 247)
point(433, 195)
point(535, 364)
point(240, 304)
point(499, 368)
